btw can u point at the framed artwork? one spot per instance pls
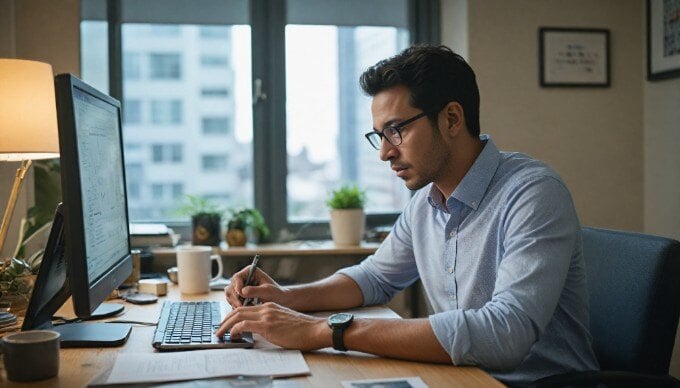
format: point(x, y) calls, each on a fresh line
point(573, 57)
point(663, 39)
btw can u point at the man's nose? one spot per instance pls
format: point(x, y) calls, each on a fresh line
point(387, 150)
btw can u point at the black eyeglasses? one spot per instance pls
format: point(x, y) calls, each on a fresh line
point(392, 132)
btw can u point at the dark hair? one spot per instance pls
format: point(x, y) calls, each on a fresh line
point(435, 75)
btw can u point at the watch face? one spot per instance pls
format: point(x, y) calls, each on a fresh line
point(340, 318)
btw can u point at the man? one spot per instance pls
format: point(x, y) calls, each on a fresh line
point(493, 236)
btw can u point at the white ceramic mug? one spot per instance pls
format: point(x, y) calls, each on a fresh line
point(194, 269)
point(31, 355)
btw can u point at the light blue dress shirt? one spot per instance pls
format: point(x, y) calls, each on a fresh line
point(501, 264)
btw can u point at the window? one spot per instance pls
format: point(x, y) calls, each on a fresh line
point(157, 153)
point(164, 66)
point(166, 153)
point(214, 162)
point(327, 82)
point(276, 79)
point(214, 92)
point(166, 111)
point(157, 191)
point(216, 125)
point(132, 112)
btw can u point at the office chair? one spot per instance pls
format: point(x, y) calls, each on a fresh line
point(634, 292)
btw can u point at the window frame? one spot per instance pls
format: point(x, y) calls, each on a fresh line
point(267, 24)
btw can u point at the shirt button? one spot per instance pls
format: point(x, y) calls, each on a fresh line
point(450, 269)
point(452, 234)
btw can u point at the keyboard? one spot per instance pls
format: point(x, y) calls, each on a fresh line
point(192, 325)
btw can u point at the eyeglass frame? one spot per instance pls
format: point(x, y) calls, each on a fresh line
point(397, 128)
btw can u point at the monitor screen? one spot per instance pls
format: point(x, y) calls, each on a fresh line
point(97, 244)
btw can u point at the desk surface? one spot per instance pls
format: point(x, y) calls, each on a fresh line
point(328, 367)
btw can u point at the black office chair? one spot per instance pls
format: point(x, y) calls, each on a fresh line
point(634, 290)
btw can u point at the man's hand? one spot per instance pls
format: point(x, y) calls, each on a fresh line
point(278, 325)
point(262, 287)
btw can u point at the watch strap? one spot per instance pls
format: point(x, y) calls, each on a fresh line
point(338, 338)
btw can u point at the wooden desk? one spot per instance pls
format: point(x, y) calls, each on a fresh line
point(328, 367)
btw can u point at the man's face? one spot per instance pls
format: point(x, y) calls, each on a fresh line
point(420, 158)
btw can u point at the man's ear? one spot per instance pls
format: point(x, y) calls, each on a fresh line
point(453, 119)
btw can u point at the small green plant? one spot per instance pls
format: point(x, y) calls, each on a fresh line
point(195, 205)
point(347, 197)
point(16, 276)
point(242, 218)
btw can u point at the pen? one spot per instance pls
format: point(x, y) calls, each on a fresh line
point(249, 279)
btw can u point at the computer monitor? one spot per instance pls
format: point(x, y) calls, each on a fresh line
point(90, 233)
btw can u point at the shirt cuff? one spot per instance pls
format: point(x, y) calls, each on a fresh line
point(361, 277)
point(450, 328)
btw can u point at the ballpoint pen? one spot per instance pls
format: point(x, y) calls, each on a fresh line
point(249, 279)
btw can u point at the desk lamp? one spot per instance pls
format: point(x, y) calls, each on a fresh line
point(28, 122)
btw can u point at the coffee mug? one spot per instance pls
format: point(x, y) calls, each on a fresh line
point(194, 269)
point(31, 355)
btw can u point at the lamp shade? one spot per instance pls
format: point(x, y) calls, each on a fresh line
point(28, 114)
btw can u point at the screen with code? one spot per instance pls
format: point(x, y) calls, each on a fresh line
point(102, 183)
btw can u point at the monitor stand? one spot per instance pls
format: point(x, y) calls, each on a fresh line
point(106, 310)
point(89, 334)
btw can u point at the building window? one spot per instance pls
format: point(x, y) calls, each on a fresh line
point(157, 153)
point(164, 66)
point(166, 111)
point(156, 191)
point(214, 92)
point(215, 125)
point(214, 163)
point(166, 153)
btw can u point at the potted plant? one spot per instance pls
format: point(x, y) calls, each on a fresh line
point(17, 274)
point(206, 217)
point(347, 214)
point(242, 222)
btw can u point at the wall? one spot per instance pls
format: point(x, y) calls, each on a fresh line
point(592, 136)
point(41, 30)
point(662, 157)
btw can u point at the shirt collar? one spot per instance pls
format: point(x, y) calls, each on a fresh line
point(472, 188)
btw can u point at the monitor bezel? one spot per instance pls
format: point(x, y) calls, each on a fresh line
point(86, 297)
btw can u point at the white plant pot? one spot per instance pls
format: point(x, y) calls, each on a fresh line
point(347, 226)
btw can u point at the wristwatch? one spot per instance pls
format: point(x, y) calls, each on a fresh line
point(339, 322)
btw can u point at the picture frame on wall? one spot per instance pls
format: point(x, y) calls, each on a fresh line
point(663, 39)
point(574, 57)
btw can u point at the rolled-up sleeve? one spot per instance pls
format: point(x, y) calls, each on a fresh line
point(391, 269)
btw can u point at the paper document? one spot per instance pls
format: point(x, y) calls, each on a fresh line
point(400, 382)
point(202, 364)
